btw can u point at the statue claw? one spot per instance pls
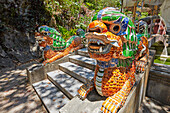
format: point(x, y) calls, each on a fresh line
point(84, 90)
point(110, 105)
point(82, 94)
point(45, 62)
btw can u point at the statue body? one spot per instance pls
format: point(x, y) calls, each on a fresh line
point(54, 46)
point(119, 51)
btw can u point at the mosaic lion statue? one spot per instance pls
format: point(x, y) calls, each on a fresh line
point(120, 52)
point(54, 46)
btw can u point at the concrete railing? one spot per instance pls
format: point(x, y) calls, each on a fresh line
point(38, 72)
point(138, 92)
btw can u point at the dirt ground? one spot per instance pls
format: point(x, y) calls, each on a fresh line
point(152, 106)
point(17, 96)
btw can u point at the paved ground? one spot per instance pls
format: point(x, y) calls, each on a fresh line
point(152, 106)
point(17, 96)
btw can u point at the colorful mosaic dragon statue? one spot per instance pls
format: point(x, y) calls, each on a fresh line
point(119, 51)
point(54, 46)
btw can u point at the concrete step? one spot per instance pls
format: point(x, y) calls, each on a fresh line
point(83, 61)
point(50, 96)
point(67, 84)
point(83, 52)
point(80, 73)
point(76, 105)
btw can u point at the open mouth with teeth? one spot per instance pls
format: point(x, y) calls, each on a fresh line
point(103, 46)
point(98, 46)
point(39, 39)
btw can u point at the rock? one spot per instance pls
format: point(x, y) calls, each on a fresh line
point(17, 24)
point(2, 52)
point(17, 47)
point(6, 62)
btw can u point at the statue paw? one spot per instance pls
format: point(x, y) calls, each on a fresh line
point(71, 51)
point(111, 105)
point(45, 62)
point(83, 91)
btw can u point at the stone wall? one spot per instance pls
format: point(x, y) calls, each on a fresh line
point(18, 19)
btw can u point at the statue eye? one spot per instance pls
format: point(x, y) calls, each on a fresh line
point(45, 33)
point(115, 28)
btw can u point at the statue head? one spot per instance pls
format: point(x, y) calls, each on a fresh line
point(111, 34)
point(47, 36)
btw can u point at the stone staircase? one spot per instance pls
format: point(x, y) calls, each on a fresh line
point(62, 84)
point(56, 85)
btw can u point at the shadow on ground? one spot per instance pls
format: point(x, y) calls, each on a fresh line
point(16, 95)
point(152, 106)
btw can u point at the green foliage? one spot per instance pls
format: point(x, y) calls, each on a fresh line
point(99, 4)
point(144, 14)
point(66, 33)
point(158, 60)
point(89, 4)
point(168, 59)
point(71, 15)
